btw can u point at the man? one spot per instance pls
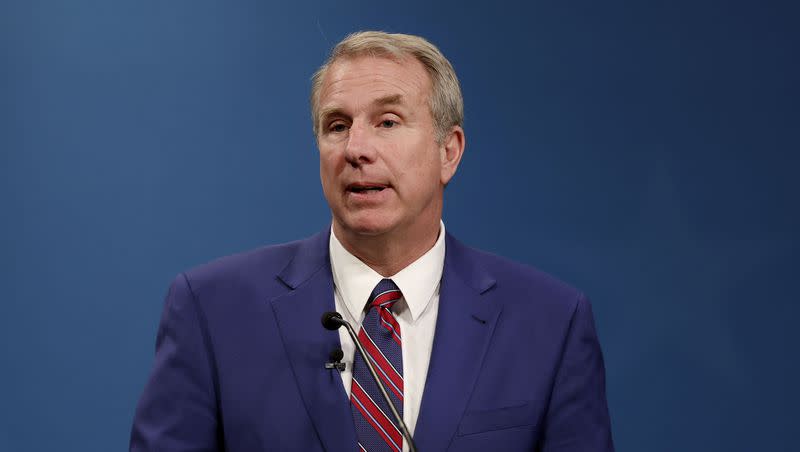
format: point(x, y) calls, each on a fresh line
point(479, 353)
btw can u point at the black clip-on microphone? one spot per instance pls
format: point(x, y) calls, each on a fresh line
point(335, 360)
point(332, 321)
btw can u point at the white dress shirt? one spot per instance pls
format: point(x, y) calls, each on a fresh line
point(416, 313)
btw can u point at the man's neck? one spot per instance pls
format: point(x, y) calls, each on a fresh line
point(391, 252)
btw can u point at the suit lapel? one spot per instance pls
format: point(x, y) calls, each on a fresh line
point(308, 344)
point(464, 327)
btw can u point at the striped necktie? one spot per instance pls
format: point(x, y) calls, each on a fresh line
point(380, 336)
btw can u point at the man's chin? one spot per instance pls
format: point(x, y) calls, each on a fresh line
point(363, 227)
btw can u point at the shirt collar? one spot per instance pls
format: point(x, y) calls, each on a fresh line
point(418, 282)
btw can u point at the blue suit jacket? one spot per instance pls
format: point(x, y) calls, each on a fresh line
point(240, 353)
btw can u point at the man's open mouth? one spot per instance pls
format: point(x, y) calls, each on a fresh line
point(365, 188)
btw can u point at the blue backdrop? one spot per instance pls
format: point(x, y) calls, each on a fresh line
point(646, 152)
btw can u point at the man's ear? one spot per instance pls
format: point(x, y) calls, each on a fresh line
point(451, 151)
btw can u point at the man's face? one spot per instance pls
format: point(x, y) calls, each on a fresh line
point(381, 168)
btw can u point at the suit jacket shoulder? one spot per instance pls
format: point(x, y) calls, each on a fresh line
point(520, 286)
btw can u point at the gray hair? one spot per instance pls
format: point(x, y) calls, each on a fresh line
point(446, 103)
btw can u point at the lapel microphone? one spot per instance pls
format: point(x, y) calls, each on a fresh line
point(334, 360)
point(332, 321)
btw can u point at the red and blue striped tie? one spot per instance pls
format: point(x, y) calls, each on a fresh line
point(380, 337)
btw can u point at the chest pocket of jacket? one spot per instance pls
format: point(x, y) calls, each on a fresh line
point(522, 415)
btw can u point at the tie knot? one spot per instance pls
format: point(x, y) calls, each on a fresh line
point(385, 294)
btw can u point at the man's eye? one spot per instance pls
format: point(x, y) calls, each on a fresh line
point(338, 127)
point(388, 123)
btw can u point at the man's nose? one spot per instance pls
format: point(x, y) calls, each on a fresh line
point(360, 147)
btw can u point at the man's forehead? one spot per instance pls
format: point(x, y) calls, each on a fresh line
point(405, 74)
point(370, 59)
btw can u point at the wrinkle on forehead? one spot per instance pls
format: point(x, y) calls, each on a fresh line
point(388, 76)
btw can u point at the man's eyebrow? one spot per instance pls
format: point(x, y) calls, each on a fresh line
point(330, 111)
point(393, 99)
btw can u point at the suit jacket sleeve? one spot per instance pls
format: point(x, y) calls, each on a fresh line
point(577, 417)
point(177, 411)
